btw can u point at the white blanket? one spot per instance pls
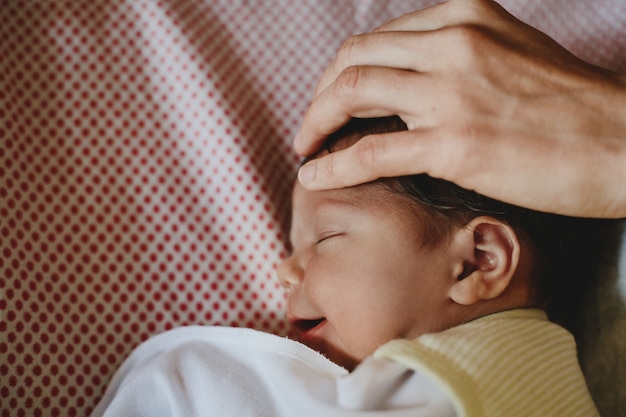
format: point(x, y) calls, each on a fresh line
point(220, 371)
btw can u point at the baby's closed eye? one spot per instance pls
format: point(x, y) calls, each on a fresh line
point(324, 237)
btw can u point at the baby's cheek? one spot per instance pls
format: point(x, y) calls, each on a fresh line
point(327, 280)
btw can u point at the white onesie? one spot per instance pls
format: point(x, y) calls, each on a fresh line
point(221, 371)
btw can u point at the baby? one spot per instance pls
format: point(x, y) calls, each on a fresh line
point(430, 297)
point(456, 280)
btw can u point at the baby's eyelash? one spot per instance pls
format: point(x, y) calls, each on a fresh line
point(327, 236)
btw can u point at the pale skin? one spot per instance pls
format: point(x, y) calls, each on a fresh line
point(359, 274)
point(503, 110)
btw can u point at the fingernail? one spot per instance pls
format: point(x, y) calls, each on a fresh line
point(306, 174)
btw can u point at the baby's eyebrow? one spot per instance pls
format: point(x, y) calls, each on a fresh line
point(333, 207)
point(355, 197)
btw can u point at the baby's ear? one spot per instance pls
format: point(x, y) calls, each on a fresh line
point(489, 255)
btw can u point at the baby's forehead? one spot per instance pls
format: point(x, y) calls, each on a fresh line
point(358, 194)
point(373, 196)
point(309, 201)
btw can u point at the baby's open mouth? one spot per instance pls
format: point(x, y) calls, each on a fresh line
point(306, 325)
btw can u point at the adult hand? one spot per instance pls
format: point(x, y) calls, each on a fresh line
point(491, 104)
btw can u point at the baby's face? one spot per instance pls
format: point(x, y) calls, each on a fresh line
point(359, 275)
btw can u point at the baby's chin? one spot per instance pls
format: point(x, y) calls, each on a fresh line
point(344, 360)
point(336, 355)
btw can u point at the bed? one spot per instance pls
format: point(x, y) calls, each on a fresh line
point(146, 166)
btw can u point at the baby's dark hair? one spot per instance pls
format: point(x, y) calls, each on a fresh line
point(567, 249)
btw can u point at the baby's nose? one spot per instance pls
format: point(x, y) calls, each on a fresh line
point(289, 273)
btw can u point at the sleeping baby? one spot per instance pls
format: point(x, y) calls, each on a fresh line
point(411, 297)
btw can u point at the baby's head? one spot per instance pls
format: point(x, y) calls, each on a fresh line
point(400, 257)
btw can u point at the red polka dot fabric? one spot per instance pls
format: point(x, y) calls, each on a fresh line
point(146, 167)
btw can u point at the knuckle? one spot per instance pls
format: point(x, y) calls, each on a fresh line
point(347, 83)
point(329, 169)
point(472, 9)
point(466, 34)
point(349, 50)
point(470, 41)
point(368, 150)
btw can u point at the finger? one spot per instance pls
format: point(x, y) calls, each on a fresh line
point(365, 92)
point(384, 46)
point(450, 13)
point(413, 51)
point(414, 41)
point(429, 18)
point(372, 157)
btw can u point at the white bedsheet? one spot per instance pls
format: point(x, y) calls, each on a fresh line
point(220, 371)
